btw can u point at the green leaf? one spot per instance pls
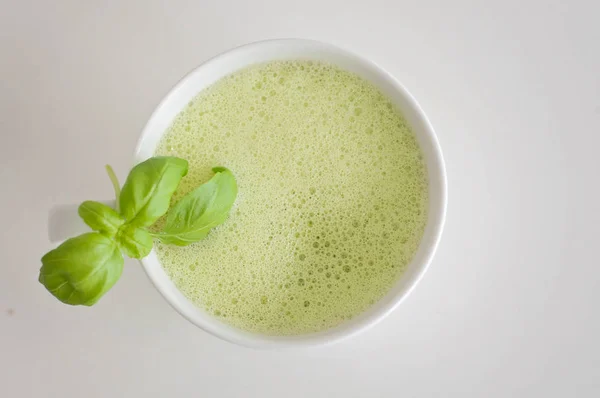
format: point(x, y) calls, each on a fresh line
point(147, 192)
point(202, 209)
point(135, 242)
point(100, 217)
point(82, 269)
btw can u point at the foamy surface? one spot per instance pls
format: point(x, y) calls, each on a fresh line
point(332, 197)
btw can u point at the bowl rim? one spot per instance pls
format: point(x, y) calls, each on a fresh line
point(371, 316)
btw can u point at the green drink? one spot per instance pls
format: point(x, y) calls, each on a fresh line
point(332, 197)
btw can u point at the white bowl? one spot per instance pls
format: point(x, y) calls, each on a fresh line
point(286, 49)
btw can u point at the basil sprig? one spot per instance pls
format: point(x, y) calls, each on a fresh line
point(82, 269)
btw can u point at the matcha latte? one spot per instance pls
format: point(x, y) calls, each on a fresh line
point(332, 198)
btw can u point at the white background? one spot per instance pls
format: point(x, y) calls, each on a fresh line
point(510, 305)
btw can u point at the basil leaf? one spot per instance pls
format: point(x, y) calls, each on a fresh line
point(202, 209)
point(134, 242)
point(146, 194)
point(82, 269)
point(100, 217)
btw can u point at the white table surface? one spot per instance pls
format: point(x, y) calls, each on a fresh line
point(510, 304)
